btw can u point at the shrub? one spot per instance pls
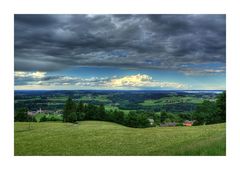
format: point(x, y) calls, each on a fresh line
point(43, 119)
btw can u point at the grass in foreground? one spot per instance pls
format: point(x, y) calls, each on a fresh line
point(105, 138)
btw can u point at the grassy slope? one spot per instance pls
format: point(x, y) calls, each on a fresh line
point(104, 138)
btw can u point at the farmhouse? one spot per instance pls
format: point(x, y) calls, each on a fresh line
point(38, 111)
point(188, 123)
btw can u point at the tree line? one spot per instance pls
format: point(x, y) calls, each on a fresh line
point(208, 112)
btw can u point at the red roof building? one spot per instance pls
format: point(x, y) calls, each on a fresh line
point(188, 123)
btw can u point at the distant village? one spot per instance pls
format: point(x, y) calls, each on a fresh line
point(32, 113)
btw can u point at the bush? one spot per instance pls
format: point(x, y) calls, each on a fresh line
point(43, 119)
point(179, 124)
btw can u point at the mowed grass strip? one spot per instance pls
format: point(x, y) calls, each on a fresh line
point(105, 138)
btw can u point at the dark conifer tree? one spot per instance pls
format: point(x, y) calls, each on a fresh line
point(70, 107)
point(101, 112)
point(80, 111)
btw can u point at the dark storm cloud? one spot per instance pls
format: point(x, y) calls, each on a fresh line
point(167, 42)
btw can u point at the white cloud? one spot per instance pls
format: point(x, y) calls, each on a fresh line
point(132, 81)
point(142, 80)
point(35, 75)
point(138, 81)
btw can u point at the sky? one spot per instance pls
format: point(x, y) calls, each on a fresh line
point(120, 52)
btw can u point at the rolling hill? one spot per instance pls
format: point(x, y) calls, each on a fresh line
point(105, 138)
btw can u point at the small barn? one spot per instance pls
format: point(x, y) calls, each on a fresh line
point(188, 123)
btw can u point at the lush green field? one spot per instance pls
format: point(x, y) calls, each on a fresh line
point(107, 107)
point(104, 138)
point(172, 100)
point(101, 98)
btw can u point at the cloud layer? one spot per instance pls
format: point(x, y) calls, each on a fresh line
point(193, 44)
point(138, 81)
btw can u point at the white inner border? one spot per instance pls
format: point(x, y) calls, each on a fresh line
point(10, 7)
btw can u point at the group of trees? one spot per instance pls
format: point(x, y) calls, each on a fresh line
point(132, 119)
point(21, 115)
point(76, 112)
point(210, 112)
point(137, 119)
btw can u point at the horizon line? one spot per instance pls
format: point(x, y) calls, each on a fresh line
point(116, 90)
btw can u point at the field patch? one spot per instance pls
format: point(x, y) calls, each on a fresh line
point(172, 100)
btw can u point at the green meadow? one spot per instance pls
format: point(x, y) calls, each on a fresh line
point(105, 138)
point(172, 100)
